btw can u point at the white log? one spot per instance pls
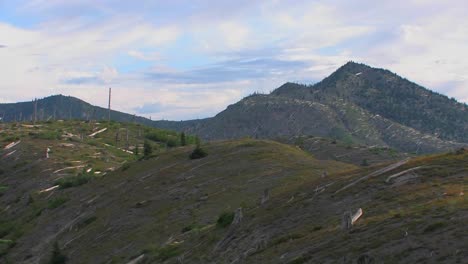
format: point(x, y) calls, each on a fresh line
point(49, 189)
point(356, 216)
point(97, 132)
point(69, 168)
point(9, 154)
point(403, 173)
point(12, 144)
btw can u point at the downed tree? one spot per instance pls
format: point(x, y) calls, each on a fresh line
point(11, 145)
point(403, 173)
point(98, 132)
point(375, 173)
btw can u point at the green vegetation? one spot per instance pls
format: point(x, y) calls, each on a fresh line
point(48, 135)
point(147, 149)
point(198, 153)
point(163, 253)
point(225, 219)
point(74, 181)
point(3, 189)
point(57, 202)
point(57, 256)
point(364, 163)
point(183, 140)
point(433, 227)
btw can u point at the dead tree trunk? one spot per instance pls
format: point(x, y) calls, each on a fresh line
point(238, 216)
point(346, 221)
point(266, 196)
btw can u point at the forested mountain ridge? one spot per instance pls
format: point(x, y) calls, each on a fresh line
point(62, 107)
point(356, 103)
point(385, 93)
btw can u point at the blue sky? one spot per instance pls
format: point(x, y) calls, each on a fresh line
point(180, 60)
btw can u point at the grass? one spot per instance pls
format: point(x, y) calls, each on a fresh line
point(435, 226)
point(3, 189)
point(163, 253)
point(286, 238)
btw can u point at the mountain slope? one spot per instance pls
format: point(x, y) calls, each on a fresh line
point(141, 205)
point(387, 94)
point(170, 209)
point(357, 104)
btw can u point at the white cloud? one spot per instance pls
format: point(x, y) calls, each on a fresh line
point(151, 56)
point(78, 55)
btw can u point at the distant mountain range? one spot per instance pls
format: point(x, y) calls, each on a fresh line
point(356, 104)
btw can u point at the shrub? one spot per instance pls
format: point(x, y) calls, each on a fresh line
point(57, 202)
point(198, 153)
point(434, 226)
point(364, 162)
point(73, 181)
point(3, 189)
point(126, 166)
point(147, 149)
point(57, 256)
point(183, 141)
point(162, 253)
point(49, 135)
point(168, 252)
point(225, 219)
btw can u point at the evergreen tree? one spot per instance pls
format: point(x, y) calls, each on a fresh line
point(57, 256)
point(183, 141)
point(147, 149)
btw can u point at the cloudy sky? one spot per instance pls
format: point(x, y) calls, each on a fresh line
point(190, 59)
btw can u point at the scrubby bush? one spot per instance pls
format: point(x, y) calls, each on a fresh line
point(198, 153)
point(57, 256)
point(147, 149)
point(364, 162)
point(225, 219)
point(160, 254)
point(56, 202)
point(73, 181)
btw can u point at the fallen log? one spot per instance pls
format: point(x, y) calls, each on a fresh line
point(69, 168)
point(49, 189)
point(356, 216)
point(375, 173)
point(389, 178)
point(98, 132)
point(12, 144)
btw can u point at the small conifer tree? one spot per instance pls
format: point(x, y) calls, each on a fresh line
point(147, 149)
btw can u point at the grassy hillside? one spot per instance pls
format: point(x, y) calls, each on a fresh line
point(145, 202)
point(332, 149)
point(173, 209)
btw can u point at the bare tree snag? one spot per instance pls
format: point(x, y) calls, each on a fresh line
point(238, 216)
point(346, 221)
point(266, 196)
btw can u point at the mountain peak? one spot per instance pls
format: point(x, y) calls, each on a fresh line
point(352, 66)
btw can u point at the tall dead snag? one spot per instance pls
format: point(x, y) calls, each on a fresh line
point(349, 219)
point(238, 216)
point(266, 196)
point(346, 221)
